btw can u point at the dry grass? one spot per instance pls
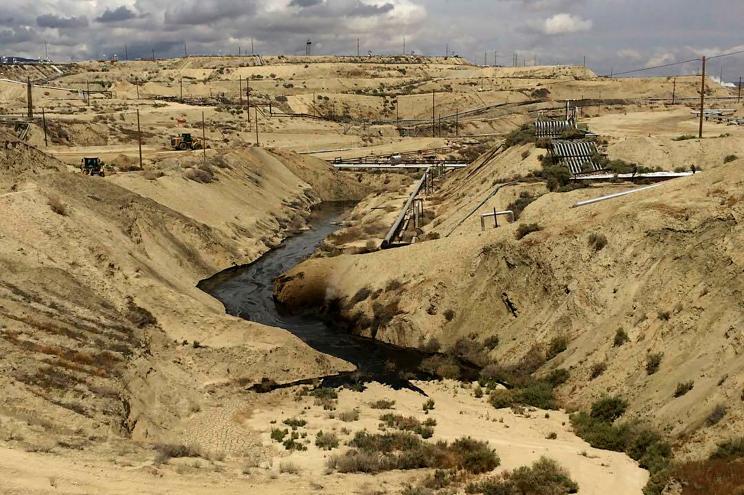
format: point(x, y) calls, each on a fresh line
point(57, 206)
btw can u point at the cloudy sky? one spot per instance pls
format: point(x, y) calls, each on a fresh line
point(614, 35)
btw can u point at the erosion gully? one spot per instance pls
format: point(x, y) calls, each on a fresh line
point(247, 292)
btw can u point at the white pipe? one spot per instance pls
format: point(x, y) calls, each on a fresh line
point(613, 196)
point(495, 214)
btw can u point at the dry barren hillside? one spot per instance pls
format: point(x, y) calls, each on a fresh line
point(661, 267)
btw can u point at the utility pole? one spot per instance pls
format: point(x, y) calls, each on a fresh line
point(702, 100)
point(181, 89)
point(153, 55)
point(139, 138)
point(248, 96)
point(240, 91)
point(404, 45)
point(46, 50)
point(585, 61)
point(204, 140)
point(87, 90)
point(252, 52)
point(257, 141)
point(126, 53)
point(185, 50)
point(358, 53)
point(136, 85)
point(485, 59)
point(43, 121)
point(738, 100)
point(29, 99)
point(446, 51)
point(433, 113)
point(674, 91)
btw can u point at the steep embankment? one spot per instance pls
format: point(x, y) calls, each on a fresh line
point(102, 328)
point(662, 265)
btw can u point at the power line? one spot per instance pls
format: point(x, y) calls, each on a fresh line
point(729, 54)
point(655, 67)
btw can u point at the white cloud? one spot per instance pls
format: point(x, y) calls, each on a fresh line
point(661, 58)
point(565, 24)
point(629, 54)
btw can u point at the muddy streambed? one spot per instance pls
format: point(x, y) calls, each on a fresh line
point(247, 292)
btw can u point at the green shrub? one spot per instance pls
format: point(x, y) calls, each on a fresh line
point(556, 176)
point(558, 377)
point(277, 434)
point(522, 202)
point(683, 388)
point(526, 229)
point(428, 406)
point(538, 394)
point(522, 135)
point(653, 361)
point(374, 453)
point(556, 346)
point(597, 370)
point(295, 423)
point(544, 477)
point(491, 342)
point(621, 337)
point(326, 441)
point(609, 409)
point(382, 404)
point(501, 398)
point(730, 449)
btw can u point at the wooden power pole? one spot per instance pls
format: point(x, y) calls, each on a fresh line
point(29, 99)
point(204, 140)
point(43, 122)
point(674, 91)
point(702, 100)
point(249, 111)
point(433, 113)
point(738, 100)
point(139, 138)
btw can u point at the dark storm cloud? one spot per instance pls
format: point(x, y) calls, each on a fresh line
point(55, 21)
point(122, 13)
point(304, 3)
point(613, 34)
point(198, 12)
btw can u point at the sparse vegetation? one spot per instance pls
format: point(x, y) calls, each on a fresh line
point(730, 158)
point(167, 451)
point(621, 337)
point(716, 415)
point(557, 345)
point(597, 241)
point(683, 388)
point(597, 370)
point(642, 444)
point(326, 441)
point(526, 229)
point(399, 422)
point(653, 361)
point(382, 404)
point(523, 201)
point(428, 406)
point(57, 206)
point(349, 416)
point(522, 135)
point(544, 477)
point(374, 453)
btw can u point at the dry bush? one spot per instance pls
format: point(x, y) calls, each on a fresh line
point(138, 316)
point(361, 295)
point(597, 369)
point(526, 229)
point(201, 175)
point(152, 174)
point(597, 241)
point(621, 337)
point(349, 416)
point(683, 388)
point(653, 361)
point(441, 366)
point(166, 451)
point(287, 467)
point(57, 206)
point(557, 345)
point(382, 404)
